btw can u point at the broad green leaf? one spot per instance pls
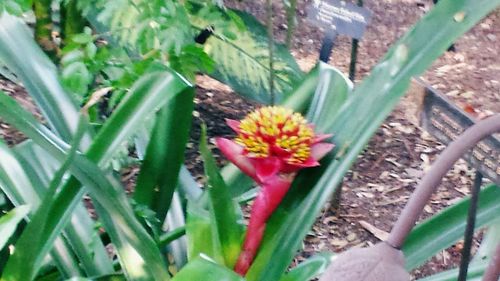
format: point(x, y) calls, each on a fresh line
point(203, 269)
point(490, 239)
point(331, 93)
point(243, 63)
point(225, 213)
point(165, 154)
point(6, 73)
point(9, 222)
point(201, 239)
point(310, 268)
point(474, 273)
point(138, 253)
point(445, 228)
point(38, 74)
point(355, 123)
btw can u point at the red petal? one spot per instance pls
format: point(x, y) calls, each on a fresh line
point(319, 150)
point(320, 138)
point(266, 202)
point(266, 167)
point(234, 124)
point(234, 153)
point(294, 167)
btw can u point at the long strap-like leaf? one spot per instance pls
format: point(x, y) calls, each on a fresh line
point(24, 58)
point(139, 254)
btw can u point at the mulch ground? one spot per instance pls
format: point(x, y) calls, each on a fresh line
point(380, 182)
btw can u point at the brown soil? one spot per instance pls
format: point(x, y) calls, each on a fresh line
point(380, 182)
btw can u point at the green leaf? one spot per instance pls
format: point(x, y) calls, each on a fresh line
point(243, 63)
point(112, 277)
point(357, 120)
point(6, 73)
point(224, 211)
point(148, 94)
point(9, 222)
point(26, 265)
point(310, 268)
point(165, 154)
point(77, 78)
point(188, 187)
point(28, 164)
point(203, 269)
point(38, 74)
point(11, 7)
point(82, 38)
point(474, 273)
point(201, 239)
point(445, 228)
point(331, 93)
point(490, 239)
point(80, 232)
point(176, 219)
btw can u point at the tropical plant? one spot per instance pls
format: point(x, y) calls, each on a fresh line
point(169, 228)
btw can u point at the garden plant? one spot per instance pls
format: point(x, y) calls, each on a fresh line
point(116, 88)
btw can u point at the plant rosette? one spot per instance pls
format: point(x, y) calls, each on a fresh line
point(272, 144)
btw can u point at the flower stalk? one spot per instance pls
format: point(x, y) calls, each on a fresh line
point(272, 144)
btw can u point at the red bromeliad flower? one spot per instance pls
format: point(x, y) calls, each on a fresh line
point(273, 143)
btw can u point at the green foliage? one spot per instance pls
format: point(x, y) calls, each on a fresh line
point(445, 228)
point(243, 64)
point(15, 7)
point(203, 269)
point(9, 222)
point(79, 57)
point(225, 214)
point(164, 155)
point(120, 71)
point(151, 29)
point(309, 269)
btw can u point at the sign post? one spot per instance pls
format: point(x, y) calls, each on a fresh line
point(337, 17)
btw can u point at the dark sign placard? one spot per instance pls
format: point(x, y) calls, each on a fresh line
point(446, 122)
point(339, 16)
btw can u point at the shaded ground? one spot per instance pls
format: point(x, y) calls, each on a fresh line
point(377, 187)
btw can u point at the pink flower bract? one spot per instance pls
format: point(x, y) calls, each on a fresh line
point(271, 145)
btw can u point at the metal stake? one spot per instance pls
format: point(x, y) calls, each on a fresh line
point(327, 46)
point(469, 228)
point(354, 53)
